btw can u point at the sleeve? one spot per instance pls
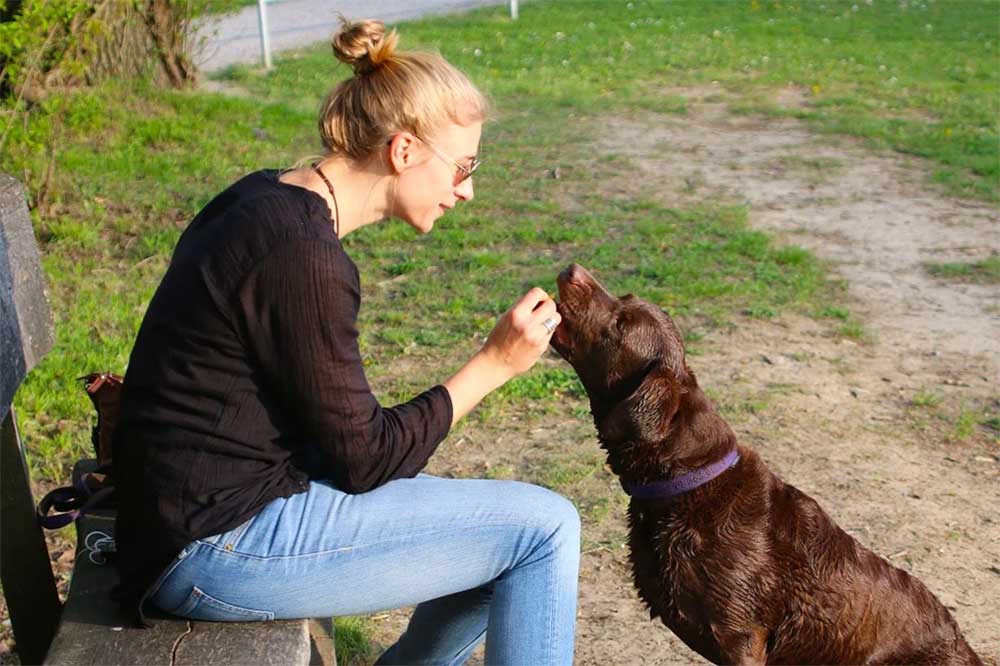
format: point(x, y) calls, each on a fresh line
point(299, 308)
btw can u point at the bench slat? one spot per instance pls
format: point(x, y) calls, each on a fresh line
point(28, 585)
point(241, 643)
point(26, 332)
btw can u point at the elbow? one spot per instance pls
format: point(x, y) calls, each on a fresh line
point(364, 459)
point(354, 486)
point(357, 474)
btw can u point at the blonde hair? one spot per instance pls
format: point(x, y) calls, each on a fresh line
point(391, 92)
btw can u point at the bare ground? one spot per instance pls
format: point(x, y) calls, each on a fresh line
point(844, 421)
point(917, 483)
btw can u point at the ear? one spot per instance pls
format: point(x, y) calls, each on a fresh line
point(645, 415)
point(402, 151)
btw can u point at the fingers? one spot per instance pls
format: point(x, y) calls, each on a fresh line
point(522, 334)
point(535, 298)
point(532, 309)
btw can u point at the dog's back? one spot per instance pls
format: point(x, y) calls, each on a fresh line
point(750, 558)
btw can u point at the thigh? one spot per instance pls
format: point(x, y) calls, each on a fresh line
point(325, 552)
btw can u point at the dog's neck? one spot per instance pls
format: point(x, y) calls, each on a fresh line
point(696, 436)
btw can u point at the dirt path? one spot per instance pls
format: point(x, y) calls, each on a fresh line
point(919, 484)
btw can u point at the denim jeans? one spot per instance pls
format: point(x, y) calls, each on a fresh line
point(481, 558)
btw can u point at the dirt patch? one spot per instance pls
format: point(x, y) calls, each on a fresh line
point(792, 97)
point(875, 217)
point(886, 434)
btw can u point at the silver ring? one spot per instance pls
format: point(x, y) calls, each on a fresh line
point(550, 324)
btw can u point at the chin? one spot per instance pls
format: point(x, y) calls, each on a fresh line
point(422, 227)
point(428, 223)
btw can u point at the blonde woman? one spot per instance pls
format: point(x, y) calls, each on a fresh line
point(259, 478)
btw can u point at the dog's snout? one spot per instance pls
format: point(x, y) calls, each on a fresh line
point(574, 273)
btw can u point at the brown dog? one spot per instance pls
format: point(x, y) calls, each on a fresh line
point(743, 567)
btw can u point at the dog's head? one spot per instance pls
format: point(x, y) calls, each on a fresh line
point(628, 354)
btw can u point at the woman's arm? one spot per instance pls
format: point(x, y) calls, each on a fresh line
point(298, 309)
point(515, 344)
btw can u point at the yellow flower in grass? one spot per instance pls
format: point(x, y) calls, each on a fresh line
point(816, 88)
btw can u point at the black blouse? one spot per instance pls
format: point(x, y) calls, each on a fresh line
point(246, 381)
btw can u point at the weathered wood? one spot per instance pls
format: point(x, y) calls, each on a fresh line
point(28, 585)
point(324, 652)
point(25, 337)
point(26, 332)
point(95, 631)
point(240, 643)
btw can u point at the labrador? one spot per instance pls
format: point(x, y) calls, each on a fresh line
point(740, 565)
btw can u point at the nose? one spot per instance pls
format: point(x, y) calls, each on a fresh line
point(575, 273)
point(465, 191)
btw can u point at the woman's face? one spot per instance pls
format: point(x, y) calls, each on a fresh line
point(429, 186)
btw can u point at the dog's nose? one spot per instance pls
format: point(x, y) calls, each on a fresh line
point(574, 273)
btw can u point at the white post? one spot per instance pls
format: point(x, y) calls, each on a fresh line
point(265, 39)
point(513, 10)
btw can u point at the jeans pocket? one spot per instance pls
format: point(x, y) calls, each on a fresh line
point(201, 606)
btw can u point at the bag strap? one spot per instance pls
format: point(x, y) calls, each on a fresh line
point(70, 502)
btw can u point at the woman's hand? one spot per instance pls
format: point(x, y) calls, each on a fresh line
point(515, 343)
point(520, 336)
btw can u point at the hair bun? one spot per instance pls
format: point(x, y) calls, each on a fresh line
point(363, 44)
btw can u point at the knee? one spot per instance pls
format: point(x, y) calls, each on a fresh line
point(552, 515)
point(566, 517)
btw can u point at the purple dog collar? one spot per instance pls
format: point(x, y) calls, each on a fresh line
point(682, 484)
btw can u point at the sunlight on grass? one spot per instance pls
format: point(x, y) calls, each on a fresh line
point(351, 640)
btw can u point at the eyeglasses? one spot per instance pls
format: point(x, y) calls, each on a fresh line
point(463, 173)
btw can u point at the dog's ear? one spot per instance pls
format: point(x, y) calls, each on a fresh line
point(645, 415)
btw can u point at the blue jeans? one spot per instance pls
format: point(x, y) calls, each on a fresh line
point(493, 559)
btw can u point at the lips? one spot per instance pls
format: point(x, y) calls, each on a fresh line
point(561, 339)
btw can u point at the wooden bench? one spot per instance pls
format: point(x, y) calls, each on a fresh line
point(89, 628)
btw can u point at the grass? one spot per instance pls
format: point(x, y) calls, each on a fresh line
point(351, 640)
point(925, 398)
point(231, 6)
point(985, 271)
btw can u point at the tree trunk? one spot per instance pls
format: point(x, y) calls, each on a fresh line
point(166, 24)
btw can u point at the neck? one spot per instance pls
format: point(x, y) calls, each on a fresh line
point(363, 190)
point(697, 437)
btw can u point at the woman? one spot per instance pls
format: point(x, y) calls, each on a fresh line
point(259, 478)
